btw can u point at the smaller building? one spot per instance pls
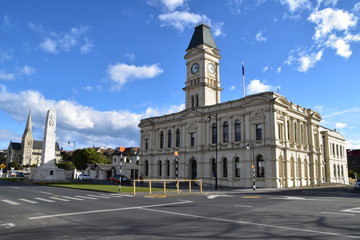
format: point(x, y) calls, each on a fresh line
point(353, 158)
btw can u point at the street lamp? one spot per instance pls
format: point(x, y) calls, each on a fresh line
point(216, 146)
point(71, 142)
point(252, 145)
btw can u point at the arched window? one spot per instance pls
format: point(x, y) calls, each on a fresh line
point(169, 139)
point(342, 171)
point(146, 172)
point(213, 167)
point(178, 137)
point(197, 100)
point(162, 139)
point(334, 170)
point(167, 164)
point(159, 168)
point(192, 101)
point(214, 133)
point(237, 167)
point(260, 166)
point(237, 131)
point(225, 167)
point(225, 132)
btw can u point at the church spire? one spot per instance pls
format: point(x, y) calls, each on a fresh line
point(28, 127)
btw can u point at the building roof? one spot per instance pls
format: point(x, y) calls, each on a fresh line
point(202, 35)
point(15, 145)
point(39, 145)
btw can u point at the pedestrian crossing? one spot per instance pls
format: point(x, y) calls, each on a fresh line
point(57, 198)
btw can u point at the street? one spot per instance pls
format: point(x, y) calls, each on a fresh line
point(42, 212)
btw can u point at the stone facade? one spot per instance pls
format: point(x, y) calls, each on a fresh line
point(226, 144)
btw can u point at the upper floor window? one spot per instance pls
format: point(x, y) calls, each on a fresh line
point(237, 131)
point(162, 139)
point(214, 133)
point(258, 131)
point(226, 132)
point(169, 139)
point(192, 139)
point(177, 138)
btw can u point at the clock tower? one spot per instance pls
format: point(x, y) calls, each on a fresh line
point(202, 86)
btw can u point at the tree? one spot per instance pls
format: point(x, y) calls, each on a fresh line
point(66, 165)
point(88, 155)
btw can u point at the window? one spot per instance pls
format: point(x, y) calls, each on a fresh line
point(192, 101)
point(258, 131)
point(295, 133)
point(334, 170)
point(197, 100)
point(237, 131)
point(167, 164)
point(178, 137)
point(146, 144)
point(213, 167)
point(288, 130)
point(169, 139)
point(146, 172)
point(225, 167)
point(237, 167)
point(279, 131)
point(260, 166)
point(226, 132)
point(192, 139)
point(162, 139)
point(214, 133)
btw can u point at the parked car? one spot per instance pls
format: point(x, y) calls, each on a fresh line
point(116, 179)
point(84, 177)
point(12, 173)
point(20, 174)
point(357, 184)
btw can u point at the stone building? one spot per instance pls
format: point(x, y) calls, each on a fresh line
point(259, 140)
point(29, 151)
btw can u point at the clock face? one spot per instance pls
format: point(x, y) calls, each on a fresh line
point(195, 68)
point(211, 68)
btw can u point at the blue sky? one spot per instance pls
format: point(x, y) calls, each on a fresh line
point(104, 65)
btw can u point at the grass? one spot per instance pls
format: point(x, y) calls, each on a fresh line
point(102, 187)
point(13, 179)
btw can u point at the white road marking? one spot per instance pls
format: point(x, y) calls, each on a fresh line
point(354, 210)
point(215, 196)
point(298, 198)
point(108, 210)
point(49, 193)
point(15, 187)
point(10, 202)
point(338, 213)
point(253, 223)
point(27, 200)
point(247, 206)
point(98, 196)
point(44, 199)
point(85, 197)
point(72, 198)
point(7, 225)
point(60, 199)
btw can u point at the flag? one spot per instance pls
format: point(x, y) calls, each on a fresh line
point(243, 69)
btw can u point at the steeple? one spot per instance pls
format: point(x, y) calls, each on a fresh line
point(202, 35)
point(28, 127)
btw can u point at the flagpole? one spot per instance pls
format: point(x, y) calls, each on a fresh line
point(243, 78)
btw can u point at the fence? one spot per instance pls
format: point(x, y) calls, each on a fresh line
point(164, 181)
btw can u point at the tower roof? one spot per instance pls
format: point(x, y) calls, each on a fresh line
point(28, 127)
point(202, 35)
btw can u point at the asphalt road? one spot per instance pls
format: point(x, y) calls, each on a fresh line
point(41, 212)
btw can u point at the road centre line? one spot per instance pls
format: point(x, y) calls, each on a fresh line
point(27, 200)
point(44, 200)
point(60, 199)
point(108, 210)
point(11, 202)
point(253, 223)
point(247, 206)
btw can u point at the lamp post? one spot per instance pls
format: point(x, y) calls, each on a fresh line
point(216, 146)
point(71, 142)
point(252, 145)
point(122, 149)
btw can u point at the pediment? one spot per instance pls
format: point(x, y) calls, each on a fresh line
point(282, 101)
point(255, 101)
point(189, 113)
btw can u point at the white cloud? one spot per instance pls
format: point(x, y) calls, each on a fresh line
point(266, 68)
point(84, 124)
point(232, 88)
point(278, 70)
point(171, 5)
point(6, 76)
point(328, 20)
point(319, 108)
point(26, 70)
point(295, 5)
point(255, 86)
point(340, 125)
point(181, 20)
point(308, 61)
point(6, 55)
point(130, 56)
point(235, 6)
point(260, 37)
point(65, 42)
point(352, 144)
point(356, 7)
point(122, 73)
